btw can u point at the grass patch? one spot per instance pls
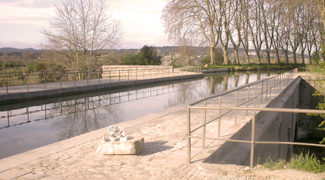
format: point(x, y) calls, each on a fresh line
point(305, 162)
point(280, 164)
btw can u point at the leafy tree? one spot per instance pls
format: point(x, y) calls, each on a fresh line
point(150, 54)
point(134, 59)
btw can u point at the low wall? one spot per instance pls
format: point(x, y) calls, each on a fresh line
point(270, 126)
point(133, 70)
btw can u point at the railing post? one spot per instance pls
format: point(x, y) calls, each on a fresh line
point(204, 124)
point(255, 96)
point(267, 86)
point(99, 76)
point(188, 135)
point(219, 123)
point(61, 75)
point(136, 73)
point(119, 75)
point(27, 83)
point(44, 81)
point(74, 77)
point(248, 93)
point(252, 142)
point(236, 104)
point(8, 119)
point(262, 91)
point(277, 83)
point(27, 111)
point(8, 84)
point(273, 86)
point(109, 75)
point(128, 74)
point(87, 76)
point(280, 81)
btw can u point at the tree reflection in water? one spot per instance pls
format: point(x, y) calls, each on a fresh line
point(84, 115)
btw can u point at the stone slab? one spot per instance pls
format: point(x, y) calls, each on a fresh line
point(130, 147)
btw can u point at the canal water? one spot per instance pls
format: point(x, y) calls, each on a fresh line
point(32, 124)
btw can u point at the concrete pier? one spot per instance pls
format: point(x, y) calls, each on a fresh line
point(164, 155)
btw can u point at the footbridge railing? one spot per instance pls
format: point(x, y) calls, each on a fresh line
point(28, 81)
point(245, 99)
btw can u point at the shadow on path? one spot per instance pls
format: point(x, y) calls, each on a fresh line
point(154, 147)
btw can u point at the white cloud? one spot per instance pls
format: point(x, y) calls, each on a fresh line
point(23, 21)
point(141, 20)
point(14, 14)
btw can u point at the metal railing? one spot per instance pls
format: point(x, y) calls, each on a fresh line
point(253, 141)
point(264, 87)
point(26, 81)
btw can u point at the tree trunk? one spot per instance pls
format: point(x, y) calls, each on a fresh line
point(247, 57)
point(225, 55)
point(212, 55)
point(268, 56)
point(236, 56)
point(287, 56)
point(277, 56)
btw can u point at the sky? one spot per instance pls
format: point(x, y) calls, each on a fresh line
point(22, 22)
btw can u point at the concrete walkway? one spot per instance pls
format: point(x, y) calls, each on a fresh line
point(164, 156)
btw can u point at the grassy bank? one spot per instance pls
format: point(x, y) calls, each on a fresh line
point(255, 67)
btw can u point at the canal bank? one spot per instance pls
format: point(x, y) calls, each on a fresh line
point(163, 157)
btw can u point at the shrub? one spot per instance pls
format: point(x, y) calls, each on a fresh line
point(270, 164)
point(307, 162)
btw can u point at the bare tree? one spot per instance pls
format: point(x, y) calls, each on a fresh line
point(237, 31)
point(255, 28)
point(191, 21)
point(294, 26)
point(223, 27)
point(79, 29)
point(245, 26)
point(276, 10)
point(285, 28)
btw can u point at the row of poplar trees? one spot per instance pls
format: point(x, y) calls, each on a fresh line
point(270, 26)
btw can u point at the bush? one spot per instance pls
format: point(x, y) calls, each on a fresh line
point(307, 162)
point(218, 55)
point(134, 59)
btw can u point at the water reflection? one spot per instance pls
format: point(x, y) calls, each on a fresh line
point(25, 126)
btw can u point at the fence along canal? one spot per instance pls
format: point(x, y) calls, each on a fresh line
point(239, 105)
point(13, 82)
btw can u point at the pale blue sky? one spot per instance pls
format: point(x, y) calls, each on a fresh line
point(22, 21)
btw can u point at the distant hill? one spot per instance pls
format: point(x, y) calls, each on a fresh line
point(13, 50)
point(164, 50)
